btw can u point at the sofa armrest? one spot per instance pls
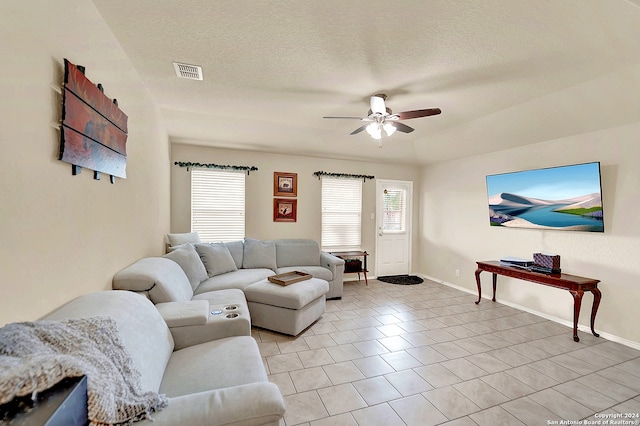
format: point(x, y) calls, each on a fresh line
point(336, 266)
point(250, 404)
point(181, 314)
point(162, 279)
point(334, 263)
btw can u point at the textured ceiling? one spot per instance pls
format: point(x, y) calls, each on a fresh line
point(504, 72)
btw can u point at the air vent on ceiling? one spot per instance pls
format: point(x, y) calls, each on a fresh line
point(192, 72)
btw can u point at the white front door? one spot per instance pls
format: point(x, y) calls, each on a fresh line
point(393, 212)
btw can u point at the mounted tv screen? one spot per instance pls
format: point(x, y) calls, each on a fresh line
point(566, 198)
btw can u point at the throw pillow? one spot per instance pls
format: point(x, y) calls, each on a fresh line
point(186, 256)
point(297, 253)
point(259, 254)
point(216, 258)
point(236, 249)
point(177, 239)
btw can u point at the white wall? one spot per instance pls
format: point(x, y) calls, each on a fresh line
point(63, 235)
point(259, 191)
point(455, 231)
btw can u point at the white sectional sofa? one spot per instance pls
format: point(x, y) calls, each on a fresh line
point(218, 382)
point(255, 260)
point(195, 344)
point(201, 289)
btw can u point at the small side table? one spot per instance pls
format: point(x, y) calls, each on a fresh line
point(355, 253)
point(63, 404)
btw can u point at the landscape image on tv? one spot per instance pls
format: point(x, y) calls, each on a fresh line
point(566, 198)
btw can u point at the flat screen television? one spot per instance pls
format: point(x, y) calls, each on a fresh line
point(565, 198)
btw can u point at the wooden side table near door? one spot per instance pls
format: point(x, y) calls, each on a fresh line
point(356, 254)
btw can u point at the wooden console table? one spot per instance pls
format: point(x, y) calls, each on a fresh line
point(355, 253)
point(574, 284)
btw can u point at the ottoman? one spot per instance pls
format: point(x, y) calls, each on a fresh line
point(286, 309)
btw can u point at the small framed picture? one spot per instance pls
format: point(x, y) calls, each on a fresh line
point(285, 184)
point(285, 210)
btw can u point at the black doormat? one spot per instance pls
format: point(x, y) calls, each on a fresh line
point(401, 279)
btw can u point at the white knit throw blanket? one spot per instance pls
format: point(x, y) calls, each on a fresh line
point(34, 356)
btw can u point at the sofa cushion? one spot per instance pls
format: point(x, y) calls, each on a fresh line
point(216, 258)
point(238, 279)
point(188, 237)
point(220, 298)
point(186, 256)
point(259, 254)
point(162, 279)
point(236, 248)
point(221, 363)
point(181, 314)
point(297, 252)
point(292, 296)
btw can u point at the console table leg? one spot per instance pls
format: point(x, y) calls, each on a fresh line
point(495, 280)
point(577, 301)
point(478, 282)
point(594, 309)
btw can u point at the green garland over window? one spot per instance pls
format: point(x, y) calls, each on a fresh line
point(248, 169)
point(343, 175)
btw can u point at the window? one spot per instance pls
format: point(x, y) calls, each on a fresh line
point(341, 214)
point(217, 204)
point(394, 207)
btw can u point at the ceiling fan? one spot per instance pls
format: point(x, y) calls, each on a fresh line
point(381, 118)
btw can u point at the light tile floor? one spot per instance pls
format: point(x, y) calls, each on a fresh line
point(426, 354)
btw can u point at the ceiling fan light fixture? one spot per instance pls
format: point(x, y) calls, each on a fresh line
point(374, 130)
point(389, 128)
point(382, 118)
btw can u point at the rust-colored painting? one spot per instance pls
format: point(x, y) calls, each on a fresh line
point(94, 129)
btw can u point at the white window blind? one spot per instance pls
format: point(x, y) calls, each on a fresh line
point(341, 214)
point(394, 210)
point(217, 204)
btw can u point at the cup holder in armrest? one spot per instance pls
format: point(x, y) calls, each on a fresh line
point(227, 311)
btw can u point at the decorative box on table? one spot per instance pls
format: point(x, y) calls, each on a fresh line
point(551, 261)
point(546, 263)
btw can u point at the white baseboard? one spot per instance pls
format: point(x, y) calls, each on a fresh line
point(586, 329)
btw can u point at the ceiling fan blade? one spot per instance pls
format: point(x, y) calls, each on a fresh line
point(359, 129)
point(377, 105)
point(401, 127)
point(348, 118)
point(419, 113)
